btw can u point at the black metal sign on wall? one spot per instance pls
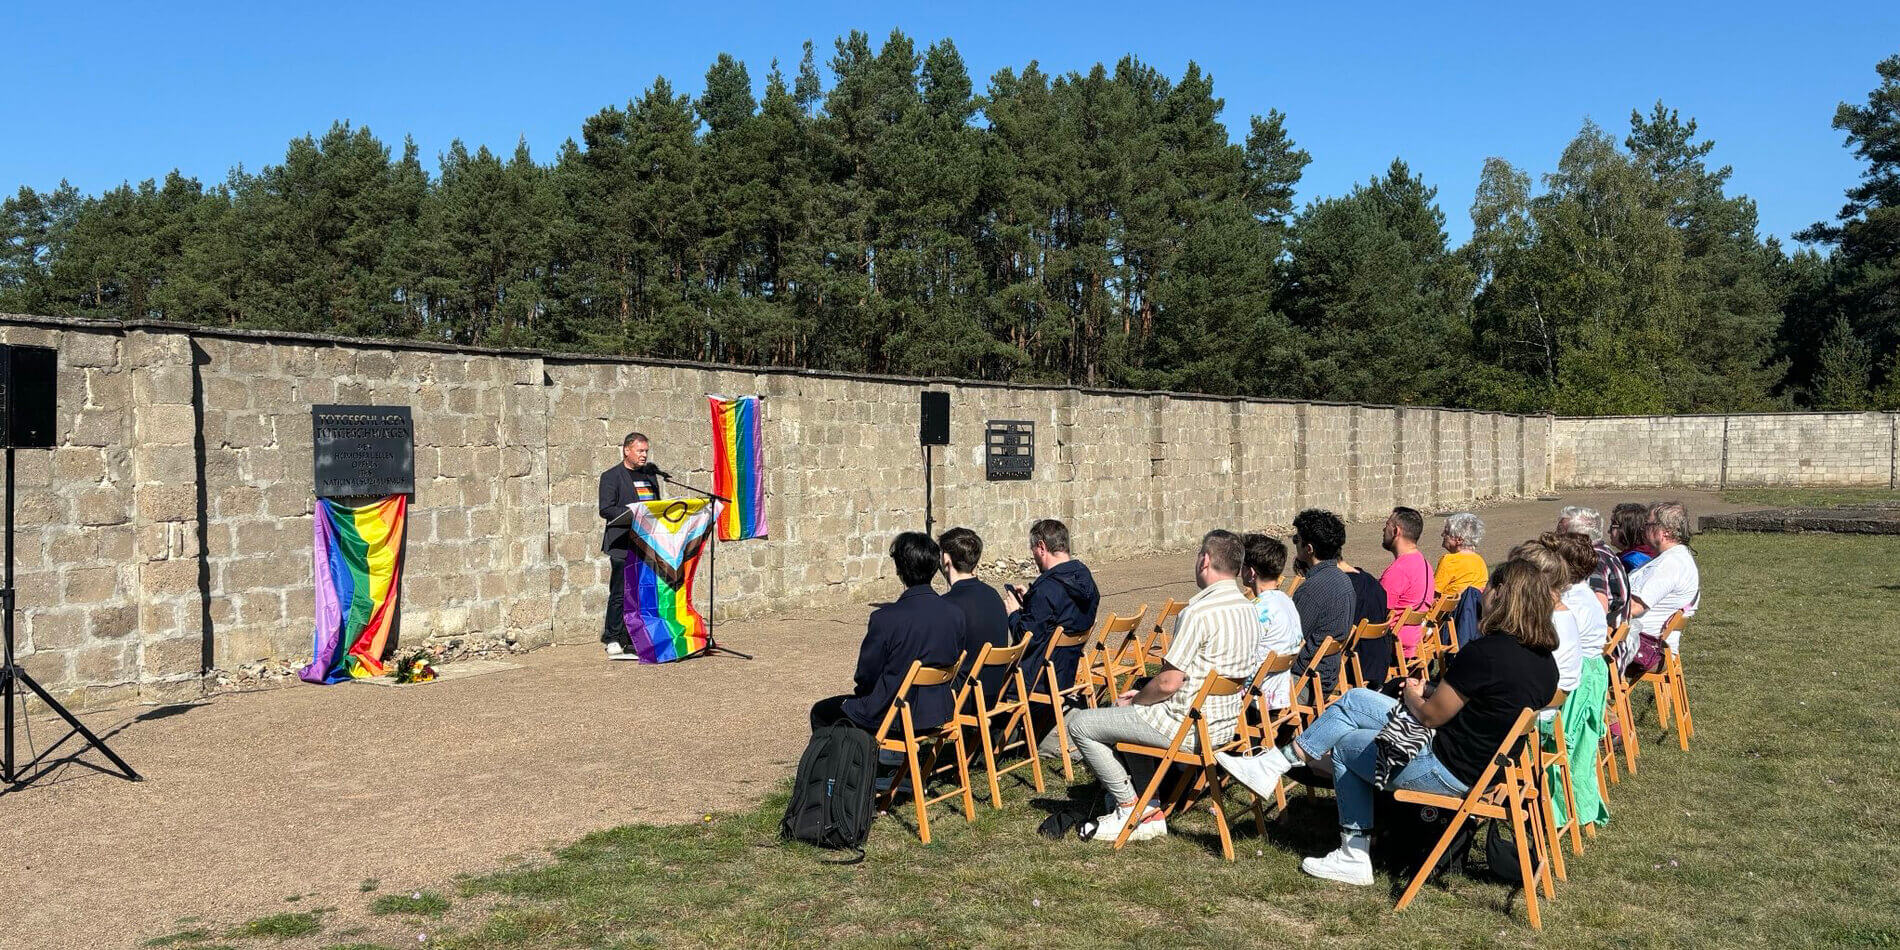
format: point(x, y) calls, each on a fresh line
point(363, 450)
point(1009, 449)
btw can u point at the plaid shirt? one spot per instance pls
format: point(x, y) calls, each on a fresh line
point(1612, 580)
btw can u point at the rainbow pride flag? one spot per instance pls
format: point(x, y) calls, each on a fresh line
point(738, 466)
point(666, 538)
point(357, 563)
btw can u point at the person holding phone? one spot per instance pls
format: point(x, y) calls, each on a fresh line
point(1064, 595)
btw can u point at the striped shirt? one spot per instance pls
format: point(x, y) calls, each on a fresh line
point(1216, 634)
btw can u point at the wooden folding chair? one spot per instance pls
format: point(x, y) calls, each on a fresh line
point(1260, 725)
point(1351, 674)
point(1618, 711)
point(912, 744)
point(977, 710)
point(1204, 769)
point(1670, 688)
point(1160, 637)
point(1401, 666)
point(1047, 693)
point(1506, 790)
point(1308, 698)
point(1294, 584)
point(1112, 668)
point(1557, 756)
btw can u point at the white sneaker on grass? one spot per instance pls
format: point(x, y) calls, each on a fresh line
point(1351, 863)
point(1260, 772)
point(1152, 827)
point(1109, 827)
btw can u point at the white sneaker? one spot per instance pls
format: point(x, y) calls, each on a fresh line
point(617, 652)
point(1154, 827)
point(1109, 827)
point(1260, 772)
point(1349, 864)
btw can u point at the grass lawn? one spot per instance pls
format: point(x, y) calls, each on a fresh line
point(1810, 497)
point(1775, 829)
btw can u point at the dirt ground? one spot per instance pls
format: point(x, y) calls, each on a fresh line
point(250, 798)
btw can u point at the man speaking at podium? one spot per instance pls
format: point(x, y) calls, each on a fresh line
point(633, 480)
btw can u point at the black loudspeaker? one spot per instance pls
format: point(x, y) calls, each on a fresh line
point(29, 382)
point(933, 426)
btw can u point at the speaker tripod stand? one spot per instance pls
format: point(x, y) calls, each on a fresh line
point(13, 773)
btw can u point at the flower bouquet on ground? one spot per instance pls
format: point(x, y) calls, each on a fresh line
point(415, 668)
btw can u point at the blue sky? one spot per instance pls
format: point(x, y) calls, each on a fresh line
point(118, 91)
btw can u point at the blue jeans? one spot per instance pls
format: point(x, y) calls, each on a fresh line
point(1346, 730)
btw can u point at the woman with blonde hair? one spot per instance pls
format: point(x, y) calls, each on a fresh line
point(1471, 709)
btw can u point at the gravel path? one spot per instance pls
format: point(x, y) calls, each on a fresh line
point(250, 798)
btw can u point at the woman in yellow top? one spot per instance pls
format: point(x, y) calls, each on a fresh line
point(1462, 566)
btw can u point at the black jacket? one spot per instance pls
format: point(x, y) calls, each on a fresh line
point(919, 625)
point(619, 488)
point(984, 621)
point(1063, 596)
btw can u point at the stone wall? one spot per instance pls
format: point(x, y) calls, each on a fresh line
point(170, 531)
point(1843, 449)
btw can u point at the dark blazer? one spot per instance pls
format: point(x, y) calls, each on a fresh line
point(619, 488)
point(919, 625)
point(984, 621)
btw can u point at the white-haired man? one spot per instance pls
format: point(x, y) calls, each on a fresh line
point(1670, 581)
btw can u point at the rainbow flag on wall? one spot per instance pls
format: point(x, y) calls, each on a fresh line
point(666, 538)
point(738, 466)
point(357, 565)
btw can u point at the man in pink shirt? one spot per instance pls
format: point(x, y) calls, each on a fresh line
point(1408, 581)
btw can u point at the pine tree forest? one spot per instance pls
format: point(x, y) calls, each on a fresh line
point(877, 212)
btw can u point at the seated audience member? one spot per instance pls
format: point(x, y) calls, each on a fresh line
point(1461, 566)
point(1568, 653)
point(984, 619)
point(1610, 581)
point(1628, 534)
point(1583, 708)
point(1279, 619)
point(1666, 583)
point(918, 625)
point(1064, 595)
point(1487, 685)
point(1325, 599)
point(1408, 579)
point(1216, 633)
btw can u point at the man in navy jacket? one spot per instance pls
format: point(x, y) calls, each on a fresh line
point(919, 625)
point(984, 619)
point(1063, 596)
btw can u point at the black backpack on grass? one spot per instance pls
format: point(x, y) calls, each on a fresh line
point(831, 804)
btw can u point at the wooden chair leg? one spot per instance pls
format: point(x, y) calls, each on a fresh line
point(1627, 716)
point(917, 790)
point(1528, 871)
point(989, 759)
point(1216, 789)
point(1141, 802)
point(963, 774)
point(1021, 720)
point(1431, 860)
point(1570, 790)
point(1062, 739)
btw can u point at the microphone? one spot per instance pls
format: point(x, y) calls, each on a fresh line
point(652, 469)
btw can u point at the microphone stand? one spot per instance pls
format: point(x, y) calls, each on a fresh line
point(712, 568)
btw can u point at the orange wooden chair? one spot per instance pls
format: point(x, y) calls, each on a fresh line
point(1308, 697)
point(1416, 665)
point(1260, 725)
point(1351, 674)
point(1671, 689)
point(913, 745)
point(1161, 636)
point(1111, 669)
point(1047, 693)
point(1294, 584)
point(1555, 757)
point(1204, 769)
point(1506, 790)
point(1618, 712)
point(977, 710)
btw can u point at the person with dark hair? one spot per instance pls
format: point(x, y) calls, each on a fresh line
point(984, 619)
point(1279, 620)
point(631, 481)
point(1215, 635)
point(918, 626)
point(1486, 687)
point(1063, 596)
point(1325, 599)
point(1630, 534)
point(1408, 579)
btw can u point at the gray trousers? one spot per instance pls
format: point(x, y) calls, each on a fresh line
point(1095, 732)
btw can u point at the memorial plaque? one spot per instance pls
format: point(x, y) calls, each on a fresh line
point(363, 450)
point(1009, 449)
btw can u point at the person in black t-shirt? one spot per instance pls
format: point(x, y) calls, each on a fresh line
point(1487, 686)
point(984, 618)
point(633, 479)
